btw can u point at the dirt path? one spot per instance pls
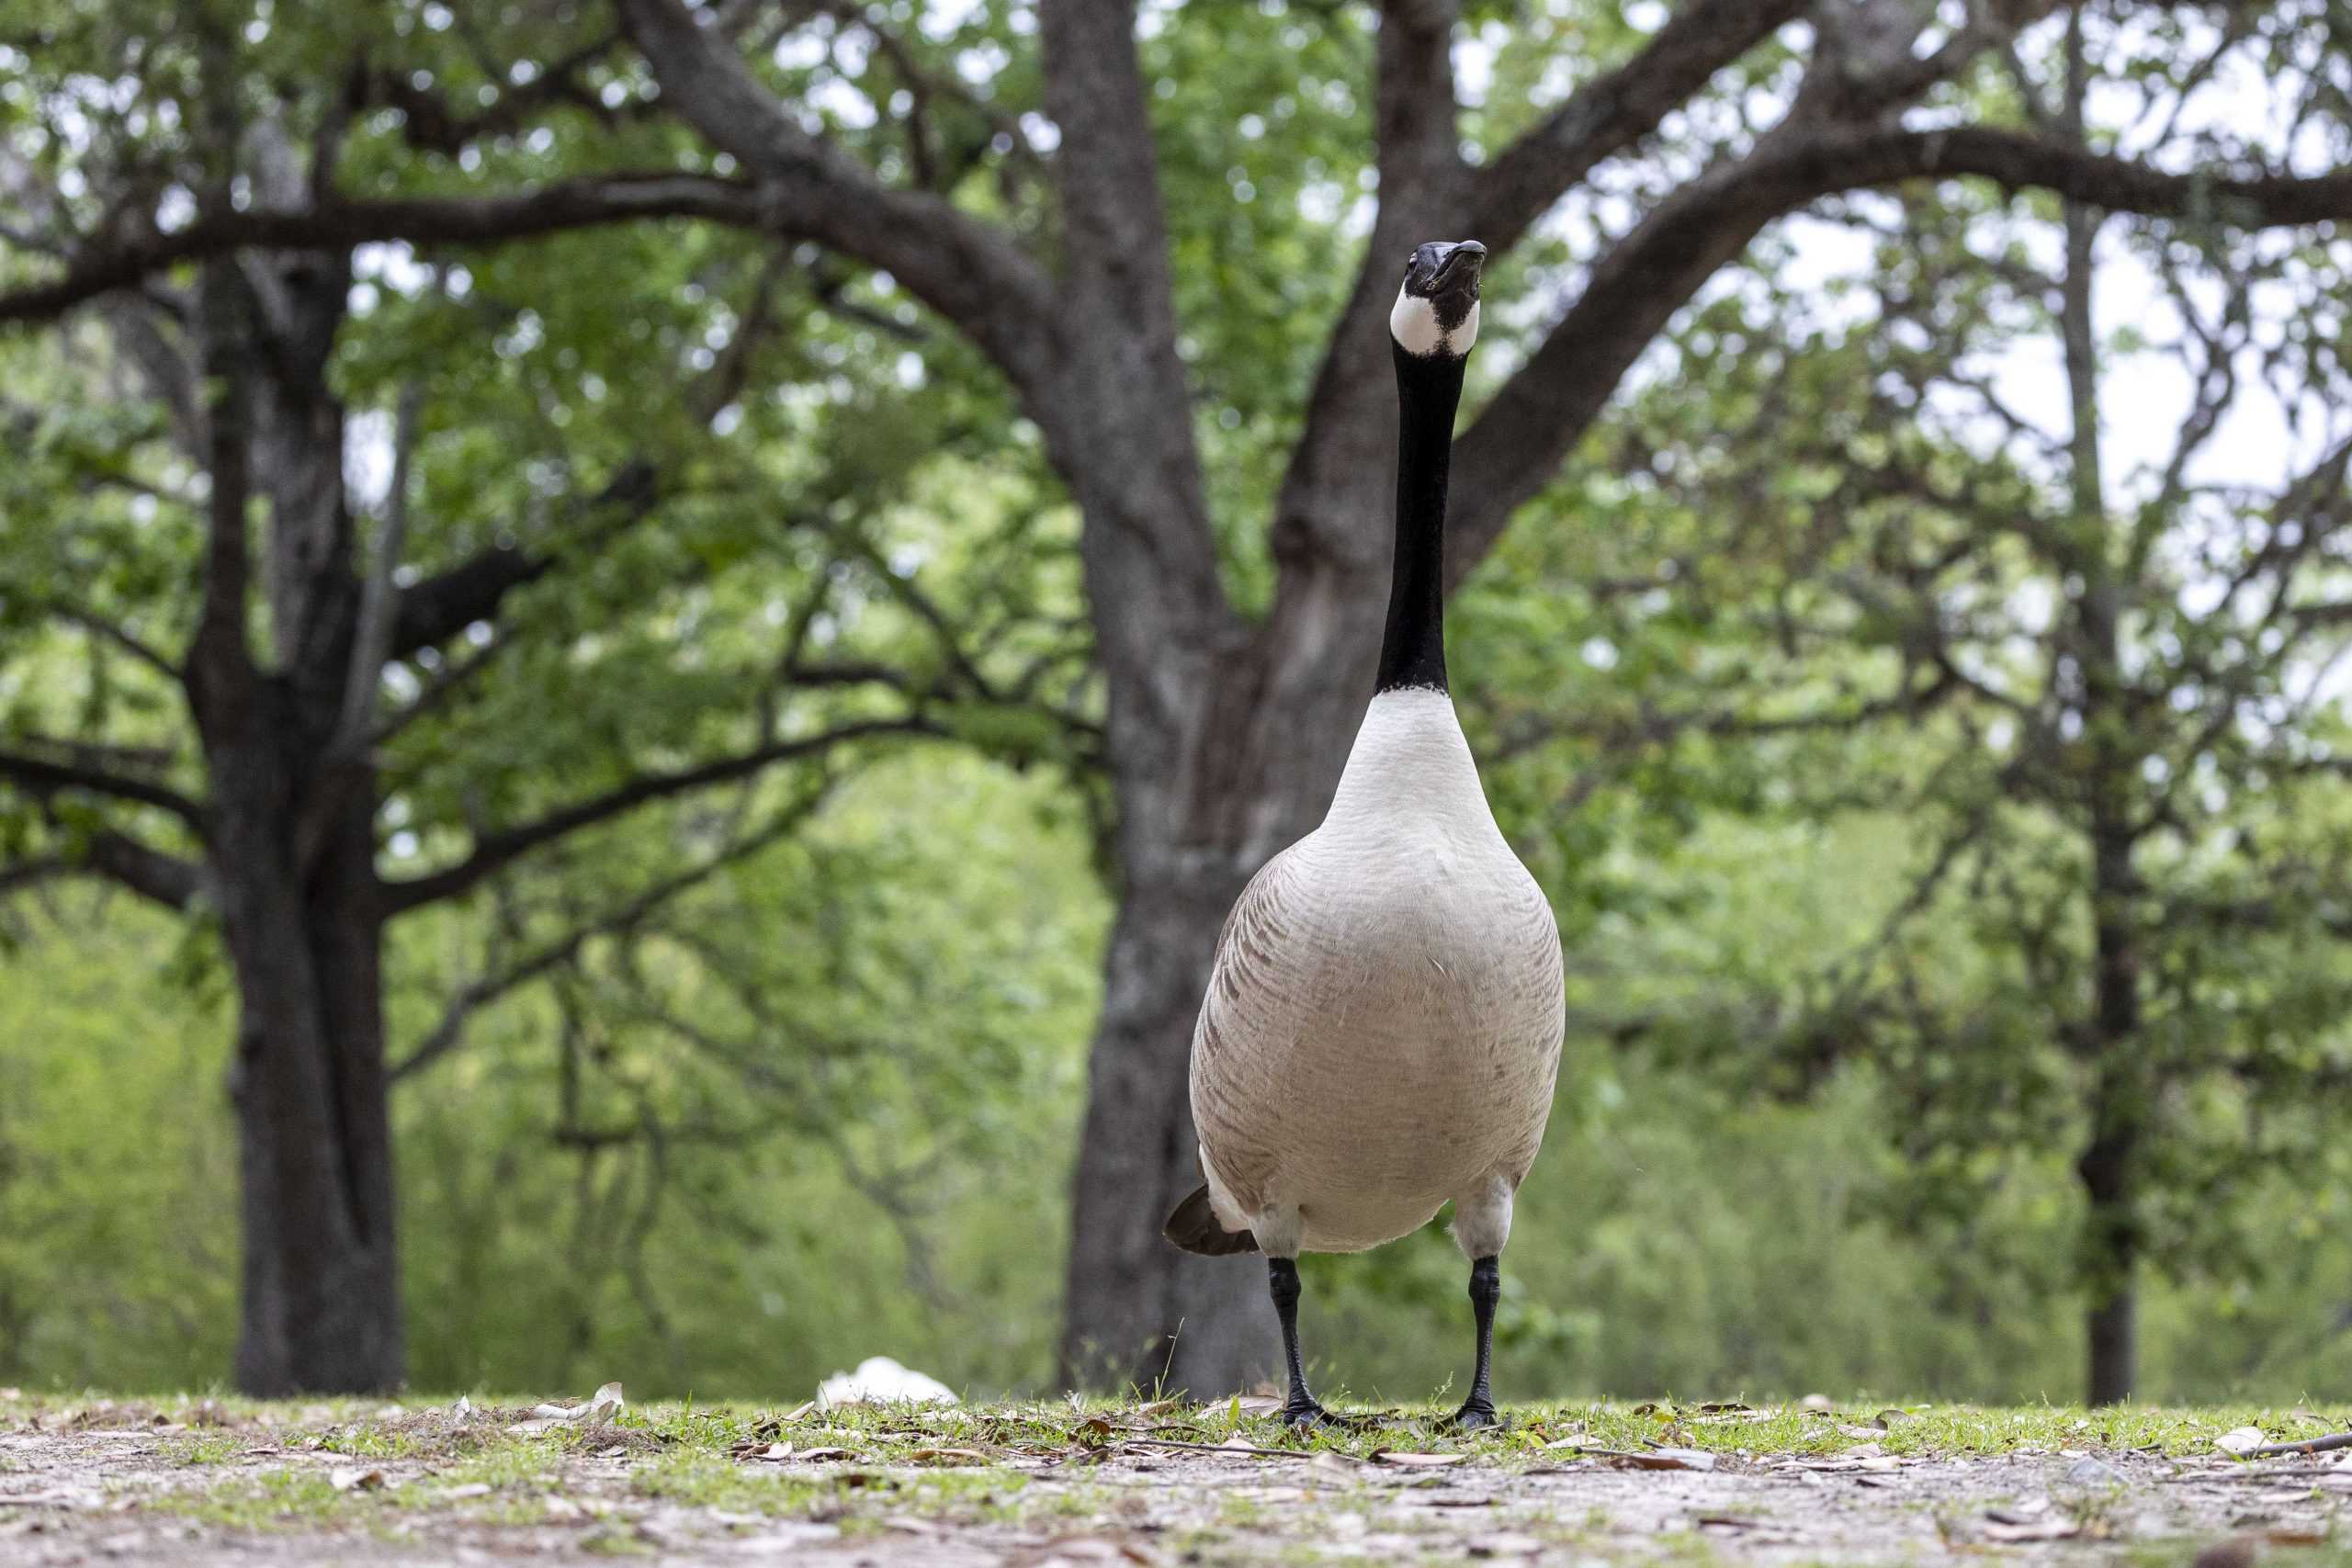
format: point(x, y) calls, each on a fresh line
point(206, 1485)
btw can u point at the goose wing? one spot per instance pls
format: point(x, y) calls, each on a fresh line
point(1240, 1017)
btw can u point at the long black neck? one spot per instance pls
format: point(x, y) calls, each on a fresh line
point(1428, 393)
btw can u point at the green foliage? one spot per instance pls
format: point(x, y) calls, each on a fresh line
point(118, 1188)
point(1772, 686)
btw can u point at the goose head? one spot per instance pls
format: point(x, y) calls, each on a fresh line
point(1436, 313)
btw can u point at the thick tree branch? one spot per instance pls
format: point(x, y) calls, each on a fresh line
point(161, 878)
point(430, 123)
point(1610, 113)
point(1521, 438)
point(424, 222)
point(438, 607)
point(495, 850)
point(1328, 506)
point(1134, 471)
point(42, 778)
point(219, 661)
point(955, 263)
point(112, 632)
point(371, 642)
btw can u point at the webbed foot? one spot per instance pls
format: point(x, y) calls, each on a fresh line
point(1475, 1414)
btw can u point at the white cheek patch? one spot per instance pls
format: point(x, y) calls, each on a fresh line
point(1413, 323)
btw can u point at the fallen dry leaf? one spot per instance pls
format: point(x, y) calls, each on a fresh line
point(2239, 1440)
point(1417, 1462)
point(948, 1455)
point(355, 1480)
point(757, 1451)
point(1655, 1459)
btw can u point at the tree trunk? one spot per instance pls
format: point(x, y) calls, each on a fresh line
point(291, 853)
point(1138, 1309)
point(1226, 741)
point(2120, 1100)
point(1252, 772)
point(321, 1307)
point(2113, 1245)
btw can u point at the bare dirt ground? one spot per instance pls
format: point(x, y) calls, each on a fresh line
point(220, 1483)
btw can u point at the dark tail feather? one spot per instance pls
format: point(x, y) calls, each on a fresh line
point(1193, 1226)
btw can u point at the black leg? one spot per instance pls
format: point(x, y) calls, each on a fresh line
point(1282, 1278)
point(1486, 1290)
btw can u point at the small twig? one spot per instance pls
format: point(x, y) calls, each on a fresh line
point(2328, 1444)
point(1243, 1450)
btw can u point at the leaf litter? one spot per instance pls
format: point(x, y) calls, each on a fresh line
point(1097, 1483)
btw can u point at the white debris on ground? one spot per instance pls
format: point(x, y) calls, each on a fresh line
point(599, 1410)
point(881, 1380)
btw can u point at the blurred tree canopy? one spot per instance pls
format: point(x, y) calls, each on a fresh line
point(678, 600)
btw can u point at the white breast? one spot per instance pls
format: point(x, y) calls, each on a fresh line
point(1383, 1026)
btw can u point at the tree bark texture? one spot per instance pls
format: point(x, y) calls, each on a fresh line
point(290, 854)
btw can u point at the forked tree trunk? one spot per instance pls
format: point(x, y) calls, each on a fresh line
point(291, 859)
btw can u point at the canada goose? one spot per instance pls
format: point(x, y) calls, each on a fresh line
point(1381, 1028)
